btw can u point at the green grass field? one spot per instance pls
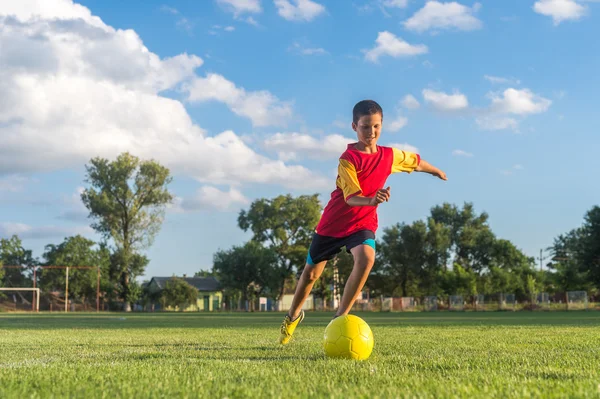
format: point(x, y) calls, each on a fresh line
point(425, 355)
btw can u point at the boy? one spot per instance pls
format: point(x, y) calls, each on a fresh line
point(350, 218)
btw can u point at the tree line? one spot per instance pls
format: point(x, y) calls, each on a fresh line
point(451, 251)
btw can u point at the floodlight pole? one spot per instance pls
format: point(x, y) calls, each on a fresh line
point(35, 295)
point(98, 291)
point(67, 292)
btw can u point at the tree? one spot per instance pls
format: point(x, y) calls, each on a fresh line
point(12, 253)
point(127, 199)
point(285, 224)
point(248, 270)
point(402, 255)
point(123, 272)
point(589, 254)
point(568, 268)
point(178, 293)
point(458, 281)
point(76, 251)
point(471, 236)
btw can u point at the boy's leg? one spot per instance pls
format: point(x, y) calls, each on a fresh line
point(295, 315)
point(364, 259)
point(310, 275)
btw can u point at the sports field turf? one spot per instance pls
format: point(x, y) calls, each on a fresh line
point(430, 355)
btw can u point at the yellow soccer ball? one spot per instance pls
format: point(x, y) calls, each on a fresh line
point(348, 337)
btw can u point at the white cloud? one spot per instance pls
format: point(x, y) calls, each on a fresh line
point(388, 44)
point(461, 153)
point(437, 16)
point(445, 102)
point(295, 145)
point(262, 107)
point(65, 100)
point(209, 198)
point(405, 147)
point(182, 22)
point(301, 10)
point(511, 102)
point(560, 10)
point(410, 102)
point(217, 28)
point(169, 10)
point(394, 3)
point(398, 123)
point(25, 231)
point(239, 7)
point(185, 25)
point(519, 102)
point(341, 124)
point(300, 49)
point(501, 80)
point(497, 123)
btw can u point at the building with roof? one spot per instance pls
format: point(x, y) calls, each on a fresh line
point(210, 293)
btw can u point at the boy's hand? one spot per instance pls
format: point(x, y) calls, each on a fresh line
point(426, 167)
point(440, 174)
point(383, 195)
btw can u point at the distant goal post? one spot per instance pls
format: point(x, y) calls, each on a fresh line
point(34, 290)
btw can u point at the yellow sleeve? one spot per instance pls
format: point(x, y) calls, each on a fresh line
point(348, 179)
point(405, 161)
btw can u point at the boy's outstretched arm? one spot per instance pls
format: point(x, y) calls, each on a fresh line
point(426, 167)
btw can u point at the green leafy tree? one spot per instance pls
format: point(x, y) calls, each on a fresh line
point(458, 281)
point(470, 235)
point(127, 199)
point(123, 271)
point(248, 270)
point(589, 254)
point(12, 253)
point(285, 224)
point(178, 293)
point(402, 255)
point(76, 251)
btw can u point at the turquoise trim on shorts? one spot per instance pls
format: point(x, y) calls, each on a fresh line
point(370, 242)
point(309, 260)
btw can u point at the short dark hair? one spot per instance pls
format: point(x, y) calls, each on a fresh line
point(366, 107)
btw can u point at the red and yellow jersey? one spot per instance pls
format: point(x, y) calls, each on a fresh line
point(361, 174)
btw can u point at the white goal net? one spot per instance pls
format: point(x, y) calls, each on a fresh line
point(577, 300)
point(20, 299)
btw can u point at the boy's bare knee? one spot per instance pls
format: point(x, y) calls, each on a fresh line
point(312, 275)
point(364, 256)
point(312, 272)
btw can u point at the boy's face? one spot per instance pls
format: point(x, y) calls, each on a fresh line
point(368, 129)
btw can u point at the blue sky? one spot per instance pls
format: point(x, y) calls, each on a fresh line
point(245, 99)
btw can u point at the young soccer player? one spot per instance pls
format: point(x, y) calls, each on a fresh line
point(350, 218)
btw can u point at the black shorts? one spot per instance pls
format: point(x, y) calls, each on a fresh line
point(324, 248)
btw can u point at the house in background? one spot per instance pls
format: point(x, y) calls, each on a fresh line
point(210, 294)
